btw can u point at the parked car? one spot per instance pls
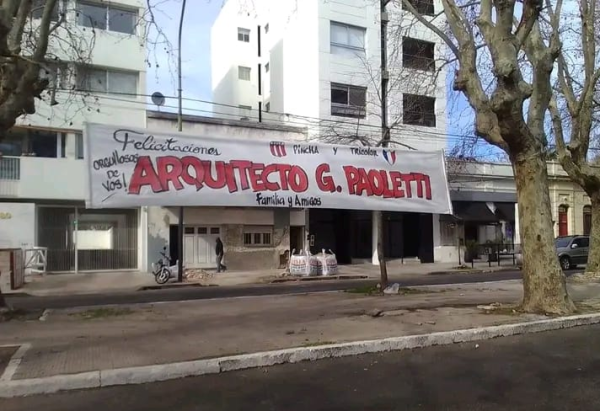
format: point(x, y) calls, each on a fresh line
point(572, 251)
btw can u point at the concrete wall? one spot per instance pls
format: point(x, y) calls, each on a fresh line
point(17, 225)
point(231, 221)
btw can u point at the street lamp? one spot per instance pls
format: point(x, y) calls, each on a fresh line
point(180, 128)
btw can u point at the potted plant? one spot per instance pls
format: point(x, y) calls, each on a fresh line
point(470, 251)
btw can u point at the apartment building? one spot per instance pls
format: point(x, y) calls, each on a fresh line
point(316, 63)
point(97, 74)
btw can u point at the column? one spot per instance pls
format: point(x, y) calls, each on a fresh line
point(374, 220)
point(437, 238)
point(517, 231)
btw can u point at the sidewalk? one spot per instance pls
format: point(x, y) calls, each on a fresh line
point(79, 340)
point(128, 281)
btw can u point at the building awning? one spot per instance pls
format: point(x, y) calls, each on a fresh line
point(505, 211)
point(474, 212)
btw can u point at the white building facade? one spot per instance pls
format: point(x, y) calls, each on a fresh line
point(316, 63)
point(43, 172)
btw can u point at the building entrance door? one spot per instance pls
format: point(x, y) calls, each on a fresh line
point(199, 246)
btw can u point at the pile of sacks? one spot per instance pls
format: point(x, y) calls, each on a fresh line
point(306, 264)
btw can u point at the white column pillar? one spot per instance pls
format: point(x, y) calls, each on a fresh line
point(437, 238)
point(143, 239)
point(517, 231)
point(375, 219)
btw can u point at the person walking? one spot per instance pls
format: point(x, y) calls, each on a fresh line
point(220, 253)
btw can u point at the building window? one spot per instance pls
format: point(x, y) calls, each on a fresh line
point(104, 81)
point(348, 101)
point(418, 54)
point(587, 220)
point(346, 39)
point(243, 35)
point(244, 73)
point(258, 236)
point(424, 7)
point(563, 220)
point(267, 68)
point(105, 17)
point(418, 110)
point(37, 9)
point(79, 146)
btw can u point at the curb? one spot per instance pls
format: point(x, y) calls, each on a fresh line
point(154, 373)
point(475, 271)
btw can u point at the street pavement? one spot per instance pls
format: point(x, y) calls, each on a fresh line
point(547, 371)
point(201, 293)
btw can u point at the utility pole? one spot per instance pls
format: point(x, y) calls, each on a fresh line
point(385, 134)
point(180, 129)
point(258, 39)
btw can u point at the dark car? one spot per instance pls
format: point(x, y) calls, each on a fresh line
point(572, 250)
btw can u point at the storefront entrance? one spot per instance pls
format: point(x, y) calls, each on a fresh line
point(348, 233)
point(199, 246)
point(79, 239)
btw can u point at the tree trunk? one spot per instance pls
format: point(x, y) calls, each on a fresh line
point(593, 263)
point(544, 284)
point(380, 253)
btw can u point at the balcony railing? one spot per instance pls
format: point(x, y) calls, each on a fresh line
point(10, 174)
point(10, 168)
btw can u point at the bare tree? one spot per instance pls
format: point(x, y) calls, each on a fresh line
point(41, 52)
point(22, 57)
point(510, 114)
point(573, 108)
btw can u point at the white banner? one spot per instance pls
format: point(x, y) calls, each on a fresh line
point(137, 167)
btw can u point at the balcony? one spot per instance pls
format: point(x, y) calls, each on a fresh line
point(43, 178)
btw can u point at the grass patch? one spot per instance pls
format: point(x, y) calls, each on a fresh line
point(19, 315)
point(414, 291)
point(366, 290)
point(99, 313)
point(373, 290)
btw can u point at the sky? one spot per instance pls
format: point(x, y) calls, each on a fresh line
point(162, 70)
point(199, 17)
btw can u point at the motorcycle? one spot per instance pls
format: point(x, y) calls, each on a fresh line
point(161, 269)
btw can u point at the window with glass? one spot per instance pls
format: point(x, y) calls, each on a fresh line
point(346, 38)
point(79, 146)
point(33, 143)
point(244, 73)
point(97, 80)
point(107, 17)
point(258, 236)
point(243, 35)
point(418, 110)
point(38, 6)
point(418, 54)
point(425, 7)
point(348, 101)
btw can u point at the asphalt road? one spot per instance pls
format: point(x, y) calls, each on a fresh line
point(549, 371)
point(200, 293)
